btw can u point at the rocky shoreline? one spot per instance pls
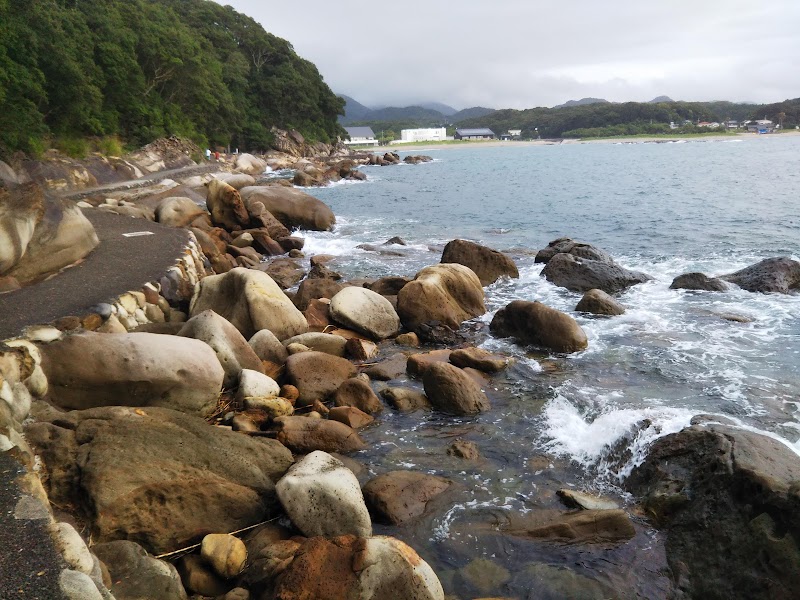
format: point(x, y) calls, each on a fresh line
point(197, 430)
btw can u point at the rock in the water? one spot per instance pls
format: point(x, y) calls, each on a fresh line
point(350, 416)
point(489, 265)
point(388, 286)
point(232, 350)
point(584, 274)
point(317, 375)
point(535, 323)
point(285, 272)
point(417, 364)
point(405, 399)
point(137, 576)
point(251, 301)
point(320, 342)
point(575, 499)
point(464, 449)
point(323, 497)
point(451, 390)
point(577, 249)
point(698, 281)
point(226, 207)
point(225, 553)
point(729, 501)
point(479, 359)
point(379, 568)
point(447, 293)
point(158, 476)
point(292, 207)
point(391, 368)
point(364, 311)
point(135, 369)
point(301, 434)
point(584, 526)
point(780, 275)
point(358, 393)
point(397, 497)
point(598, 302)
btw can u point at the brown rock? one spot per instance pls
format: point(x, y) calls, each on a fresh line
point(67, 323)
point(358, 349)
point(405, 399)
point(447, 293)
point(535, 323)
point(355, 392)
point(226, 206)
point(302, 435)
point(350, 416)
point(585, 526)
point(198, 577)
point(407, 339)
point(598, 302)
point(479, 359)
point(317, 315)
point(92, 322)
point(399, 496)
point(464, 449)
point(451, 390)
point(311, 289)
point(391, 368)
point(286, 272)
point(419, 363)
point(489, 265)
point(317, 375)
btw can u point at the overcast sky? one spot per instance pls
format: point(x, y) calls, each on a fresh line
point(525, 53)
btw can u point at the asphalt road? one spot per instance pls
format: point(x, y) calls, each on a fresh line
point(117, 265)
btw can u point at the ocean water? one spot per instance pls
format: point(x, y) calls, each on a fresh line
point(585, 420)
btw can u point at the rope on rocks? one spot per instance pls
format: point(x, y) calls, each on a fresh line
point(175, 554)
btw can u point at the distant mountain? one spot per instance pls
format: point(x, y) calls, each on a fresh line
point(446, 110)
point(395, 113)
point(582, 102)
point(659, 99)
point(353, 110)
point(471, 113)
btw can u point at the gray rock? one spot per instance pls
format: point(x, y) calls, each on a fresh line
point(137, 576)
point(320, 342)
point(365, 311)
point(779, 275)
point(698, 281)
point(268, 347)
point(489, 265)
point(584, 274)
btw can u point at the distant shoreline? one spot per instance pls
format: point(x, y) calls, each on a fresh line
point(420, 146)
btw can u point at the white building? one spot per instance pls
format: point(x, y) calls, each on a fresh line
point(361, 136)
point(436, 134)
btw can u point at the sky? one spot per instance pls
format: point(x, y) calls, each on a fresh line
point(527, 53)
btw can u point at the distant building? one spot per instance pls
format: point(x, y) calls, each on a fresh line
point(761, 126)
point(711, 125)
point(362, 136)
point(731, 124)
point(474, 134)
point(511, 134)
point(435, 134)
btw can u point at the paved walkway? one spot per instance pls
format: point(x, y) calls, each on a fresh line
point(117, 265)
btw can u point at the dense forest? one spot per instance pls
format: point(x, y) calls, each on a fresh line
point(141, 69)
point(628, 118)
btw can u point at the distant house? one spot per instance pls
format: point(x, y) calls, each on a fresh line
point(474, 134)
point(711, 125)
point(511, 134)
point(362, 136)
point(730, 124)
point(761, 126)
point(434, 134)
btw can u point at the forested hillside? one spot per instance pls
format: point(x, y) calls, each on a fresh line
point(141, 69)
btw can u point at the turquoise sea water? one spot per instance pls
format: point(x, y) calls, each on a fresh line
point(585, 420)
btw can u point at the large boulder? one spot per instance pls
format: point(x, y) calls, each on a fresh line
point(232, 350)
point(317, 374)
point(226, 207)
point(698, 281)
point(451, 390)
point(729, 501)
point(301, 435)
point(293, 208)
point(537, 324)
point(249, 164)
point(365, 311)
point(137, 576)
point(584, 274)
point(323, 497)
point(89, 369)
point(251, 301)
point(178, 211)
point(312, 289)
point(352, 568)
point(597, 302)
point(489, 265)
point(447, 293)
point(40, 235)
point(158, 477)
point(780, 275)
point(397, 497)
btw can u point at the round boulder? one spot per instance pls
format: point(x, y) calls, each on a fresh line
point(317, 375)
point(178, 211)
point(365, 311)
point(225, 553)
point(489, 265)
point(535, 323)
point(451, 390)
point(598, 302)
point(698, 281)
point(584, 274)
point(448, 293)
point(292, 207)
point(358, 393)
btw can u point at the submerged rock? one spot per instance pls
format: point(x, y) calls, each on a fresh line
point(397, 497)
point(585, 526)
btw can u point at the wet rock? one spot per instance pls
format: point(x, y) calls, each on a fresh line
point(232, 350)
point(698, 281)
point(226, 207)
point(386, 370)
point(302, 435)
point(577, 249)
point(292, 207)
point(397, 497)
point(583, 274)
point(158, 476)
point(549, 582)
point(417, 364)
point(535, 323)
point(489, 265)
point(320, 342)
point(323, 497)
point(251, 301)
point(479, 359)
point(198, 577)
point(464, 449)
point(597, 302)
point(364, 311)
point(225, 554)
point(138, 369)
point(405, 399)
point(380, 567)
point(355, 392)
point(448, 293)
point(137, 576)
point(268, 347)
point(267, 562)
point(311, 289)
point(484, 575)
point(575, 499)
point(585, 526)
point(728, 501)
point(451, 390)
point(317, 375)
point(779, 275)
point(435, 332)
point(350, 416)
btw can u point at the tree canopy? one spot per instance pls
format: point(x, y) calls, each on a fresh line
point(141, 69)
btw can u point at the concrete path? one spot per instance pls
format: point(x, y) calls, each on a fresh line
point(120, 263)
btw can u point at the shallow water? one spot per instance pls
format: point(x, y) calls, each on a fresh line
point(585, 420)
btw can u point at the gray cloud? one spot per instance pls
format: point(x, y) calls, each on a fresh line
point(525, 53)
